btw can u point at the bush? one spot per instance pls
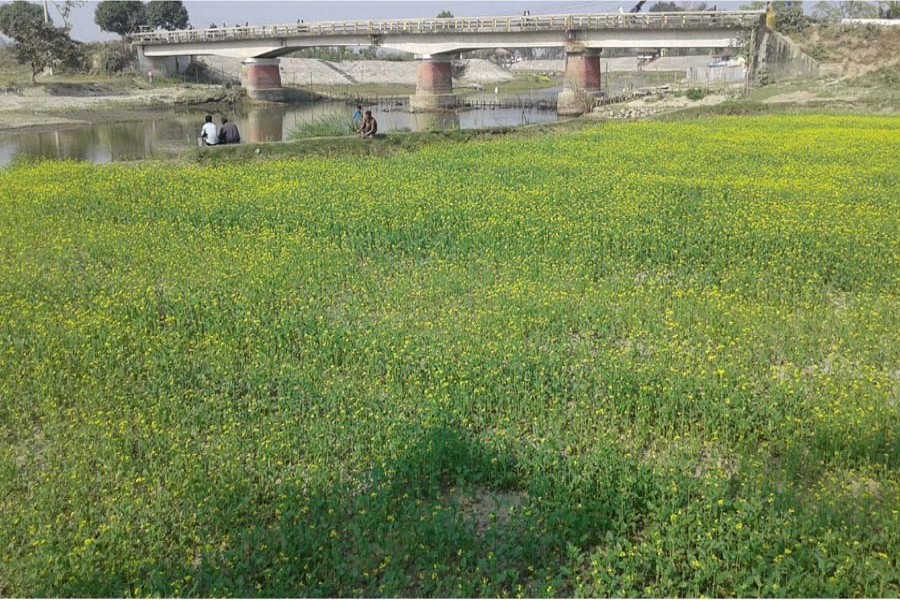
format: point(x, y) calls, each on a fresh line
point(695, 94)
point(791, 21)
point(111, 58)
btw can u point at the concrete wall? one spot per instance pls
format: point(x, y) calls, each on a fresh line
point(780, 58)
point(162, 66)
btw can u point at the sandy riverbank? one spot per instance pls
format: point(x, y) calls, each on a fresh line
point(39, 108)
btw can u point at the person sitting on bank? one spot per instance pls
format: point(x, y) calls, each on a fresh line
point(229, 133)
point(209, 134)
point(357, 117)
point(369, 126)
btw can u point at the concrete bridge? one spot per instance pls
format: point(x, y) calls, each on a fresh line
point(436, 42)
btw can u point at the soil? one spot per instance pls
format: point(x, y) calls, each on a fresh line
point(807, 96)
point(41, 108)
point(851, 51)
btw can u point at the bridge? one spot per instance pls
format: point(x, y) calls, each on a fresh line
point(436, 42)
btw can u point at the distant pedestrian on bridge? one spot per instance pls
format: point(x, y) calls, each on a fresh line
point(229, 133)
point(369, 126)
point(209, 134)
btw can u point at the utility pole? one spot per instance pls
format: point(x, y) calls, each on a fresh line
point(46, 13)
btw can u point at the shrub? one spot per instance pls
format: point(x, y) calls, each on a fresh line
point(695, 94)
point(111, 58)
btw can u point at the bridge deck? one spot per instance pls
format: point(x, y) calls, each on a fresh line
point(520, 24)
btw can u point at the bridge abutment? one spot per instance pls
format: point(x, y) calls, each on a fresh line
point(261, 77)
point(582, 82)
point(162, 66)
point(434, 84)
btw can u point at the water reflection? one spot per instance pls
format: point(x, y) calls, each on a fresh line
point(262, 126)
point(167, 133)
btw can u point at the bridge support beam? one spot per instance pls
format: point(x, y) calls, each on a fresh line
point(582, 81)
point(434, 84)
point(261, 77)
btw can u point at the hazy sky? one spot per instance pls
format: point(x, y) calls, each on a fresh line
point(263, 12)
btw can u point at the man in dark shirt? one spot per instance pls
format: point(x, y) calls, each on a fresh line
point(229, 133)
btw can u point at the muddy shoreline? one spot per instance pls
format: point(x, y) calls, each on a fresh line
point(37, 109)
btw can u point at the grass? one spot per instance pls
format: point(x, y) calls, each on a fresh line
point(323, 126)
point(646, 359)
point(12, 73)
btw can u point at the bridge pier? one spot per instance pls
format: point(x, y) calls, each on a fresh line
point(434, 84)
point(261, 77)
point(582, 81)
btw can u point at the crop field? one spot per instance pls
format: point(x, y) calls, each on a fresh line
point(642, 359)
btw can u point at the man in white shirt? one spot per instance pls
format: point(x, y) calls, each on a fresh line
point(209, 134)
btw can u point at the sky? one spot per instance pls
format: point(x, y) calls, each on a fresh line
point(266, 12)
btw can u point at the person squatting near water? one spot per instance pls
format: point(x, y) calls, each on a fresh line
point(369, 126)
point(229, 133)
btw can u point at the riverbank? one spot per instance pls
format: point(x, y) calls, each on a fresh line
point(383, 145)
point(49, 106)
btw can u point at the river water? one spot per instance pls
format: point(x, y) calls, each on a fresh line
point(134, 135)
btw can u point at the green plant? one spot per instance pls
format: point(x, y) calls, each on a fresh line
point(323, 126)
point(642, 359)
point(695, 94)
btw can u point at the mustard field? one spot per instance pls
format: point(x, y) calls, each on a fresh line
point(640, 359)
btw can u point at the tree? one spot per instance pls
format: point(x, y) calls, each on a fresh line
point(860, 10)
point(41, 45)
point(890, 9)
point(665, 7)
point(17, 15)
point(827, 11)
point(835, 11)
point(65, 8)
point(776, 5)
point(167, 14)
point(789, 17)
point(444, 14)
point(121, 17)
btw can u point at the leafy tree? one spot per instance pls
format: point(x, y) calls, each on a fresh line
point(827, 11)
point(167, 14)
point(121, 17)
point(890, 9)
point(789, 17)
point(41, 45)
point(665, 7)
point(860, 10)
point(444, 14)
point(18, 15)
point(65, 8)
point(835, 11)
point(778, 5)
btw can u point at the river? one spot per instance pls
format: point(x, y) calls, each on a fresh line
point(134, 135)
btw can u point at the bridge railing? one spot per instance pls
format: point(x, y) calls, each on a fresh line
point(682, 20)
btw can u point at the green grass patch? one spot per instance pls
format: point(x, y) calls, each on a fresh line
point(323, 126)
